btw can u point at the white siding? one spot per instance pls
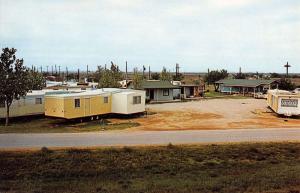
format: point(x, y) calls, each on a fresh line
point(122, 102)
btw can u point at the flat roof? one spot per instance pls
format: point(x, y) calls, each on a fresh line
point(79, 94)
point(158, 84)
point(244, 82)
point(104, 91)
point(284, 93)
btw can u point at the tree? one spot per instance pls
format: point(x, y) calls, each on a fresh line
point(275, 75)
point(216, 75)
point(109, 78)
point(155, 76)
point(178, 77)
point(165, 75)
point(137, 79)
point(14, 79)
point(286, 84)
point(37, 80)
point(240, 76)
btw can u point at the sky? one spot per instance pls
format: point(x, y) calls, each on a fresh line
point(256, 35)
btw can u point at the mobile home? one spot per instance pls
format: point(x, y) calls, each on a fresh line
point(127, 101)
point(95, 102)
point(284, 102)
point(31, 104)
point(244, 86)
point(77, 105)
point(157, 90)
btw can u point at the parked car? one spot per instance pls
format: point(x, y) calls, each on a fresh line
point(260, 95)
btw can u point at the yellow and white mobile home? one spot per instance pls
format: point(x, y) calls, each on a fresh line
point(284, 102)
point(77, 105)
point(95, 102)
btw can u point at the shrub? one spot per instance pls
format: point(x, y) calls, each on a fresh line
point(45, 150)
point(127, 149)
point(78, 151)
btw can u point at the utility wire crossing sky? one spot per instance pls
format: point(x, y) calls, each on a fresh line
point(257, 35)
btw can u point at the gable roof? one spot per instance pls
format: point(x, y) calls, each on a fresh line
point(159, 84)
point(244, 82)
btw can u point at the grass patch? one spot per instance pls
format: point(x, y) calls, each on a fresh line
point(214, 94)
point(50, 125)
point(259, 167)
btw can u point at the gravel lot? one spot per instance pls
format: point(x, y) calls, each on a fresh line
point(214, 114)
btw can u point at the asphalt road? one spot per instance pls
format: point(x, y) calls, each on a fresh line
point(123, 138)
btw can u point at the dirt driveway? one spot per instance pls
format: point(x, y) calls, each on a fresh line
point(213, 114)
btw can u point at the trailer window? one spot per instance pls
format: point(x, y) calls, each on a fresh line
point(77, 103)
point(38, 101)
point(166, 92)
point(137, 100)
point(2, 104)
point(105, 100)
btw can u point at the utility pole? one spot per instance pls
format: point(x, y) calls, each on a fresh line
point(52, 70)
point(144, 71)
point(87, 72)
point(41, 69)
point(287, 66)
point(126, 75)
point(149, 74)
point(240, 70)
point(208, 77)
point(67, 73)
point(47, 70)
point(55, 70)
point(177, 70)
point(59, 71)
point(78, 75)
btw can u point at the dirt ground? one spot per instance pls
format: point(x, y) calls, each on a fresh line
point(213, 114)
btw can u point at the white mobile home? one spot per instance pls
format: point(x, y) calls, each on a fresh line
point(31, 104)
point(284, 102)
point(127, 101)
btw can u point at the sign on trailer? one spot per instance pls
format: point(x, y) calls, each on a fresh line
point(289, 102)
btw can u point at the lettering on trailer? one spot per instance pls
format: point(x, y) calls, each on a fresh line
point(289, 102)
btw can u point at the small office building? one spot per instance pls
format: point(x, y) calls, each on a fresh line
point(244, 86)
point(158, 90)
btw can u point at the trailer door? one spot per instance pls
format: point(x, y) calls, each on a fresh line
point(87, 106)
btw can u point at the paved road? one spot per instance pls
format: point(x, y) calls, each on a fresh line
point(8, 141)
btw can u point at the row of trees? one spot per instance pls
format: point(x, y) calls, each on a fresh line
point(110, 77)
point(15, 79)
